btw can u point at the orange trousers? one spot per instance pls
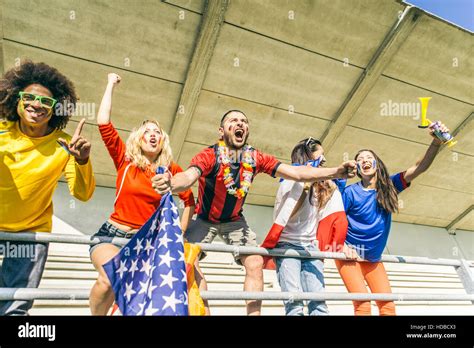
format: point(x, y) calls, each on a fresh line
point(355, 274)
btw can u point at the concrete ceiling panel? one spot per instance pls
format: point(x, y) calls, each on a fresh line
point(252, 67)
point(438, 57)
point(149, 38)
point(334, 28)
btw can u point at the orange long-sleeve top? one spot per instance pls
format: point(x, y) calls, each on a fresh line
point(137, 200)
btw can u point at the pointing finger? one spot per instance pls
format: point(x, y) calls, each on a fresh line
point(78, 131)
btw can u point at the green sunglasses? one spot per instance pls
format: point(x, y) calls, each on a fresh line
point(30, 98)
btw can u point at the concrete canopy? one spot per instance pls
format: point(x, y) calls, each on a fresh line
point(319, 68)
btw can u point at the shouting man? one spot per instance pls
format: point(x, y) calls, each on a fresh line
point(225, 172)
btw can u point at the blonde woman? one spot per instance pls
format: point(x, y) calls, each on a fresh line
point(136, 162)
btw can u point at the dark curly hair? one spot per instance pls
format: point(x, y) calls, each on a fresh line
point(28, 73)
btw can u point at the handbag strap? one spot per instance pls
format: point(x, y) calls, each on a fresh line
point(121, 184)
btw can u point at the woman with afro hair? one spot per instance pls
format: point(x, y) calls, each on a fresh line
point(36, 103)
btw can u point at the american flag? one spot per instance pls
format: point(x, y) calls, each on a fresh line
point(148, 276)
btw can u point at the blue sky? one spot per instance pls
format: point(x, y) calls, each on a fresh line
point(459, 12)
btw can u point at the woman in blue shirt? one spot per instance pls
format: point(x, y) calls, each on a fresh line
point(369, 205)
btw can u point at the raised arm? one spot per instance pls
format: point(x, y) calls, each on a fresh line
point(306, 173)
point(105, 109)
point(423, 164)
point(115, 146)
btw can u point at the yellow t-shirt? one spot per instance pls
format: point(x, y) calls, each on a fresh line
point(29, 172)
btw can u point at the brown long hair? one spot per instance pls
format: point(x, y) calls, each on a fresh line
point(387, 196)
point(302, 153)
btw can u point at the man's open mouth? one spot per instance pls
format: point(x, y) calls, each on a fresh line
point(239, 134)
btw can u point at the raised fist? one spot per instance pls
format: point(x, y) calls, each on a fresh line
point(114, 79)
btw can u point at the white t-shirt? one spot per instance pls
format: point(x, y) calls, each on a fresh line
point(301, 227)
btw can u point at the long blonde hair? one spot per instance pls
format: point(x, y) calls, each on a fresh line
point(134, 152)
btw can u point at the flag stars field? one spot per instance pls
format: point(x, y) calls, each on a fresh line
point(174, 209)
point(171, 301)
point(164, 241)
point(151, 287)
point(181, 256)
point(149, 247)
point(163, 225)
point(133, 267)
point(122, 269)
point(144, 287)
point(168, 279)
point(179, 238)
point(146, 267)
point(139, 246)
point(129, 291)
point(143, 279)
point(166, 259)
point(150, 310)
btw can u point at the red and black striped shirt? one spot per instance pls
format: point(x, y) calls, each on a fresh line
point(215, 204)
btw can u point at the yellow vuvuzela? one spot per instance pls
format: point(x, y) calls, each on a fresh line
point(445, 137)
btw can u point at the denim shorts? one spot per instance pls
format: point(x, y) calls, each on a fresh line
point(109, 230)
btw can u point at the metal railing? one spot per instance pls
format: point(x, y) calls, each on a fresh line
point(83, 294)
point(462, 268)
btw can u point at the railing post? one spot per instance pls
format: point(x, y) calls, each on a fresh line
point(467, 278)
